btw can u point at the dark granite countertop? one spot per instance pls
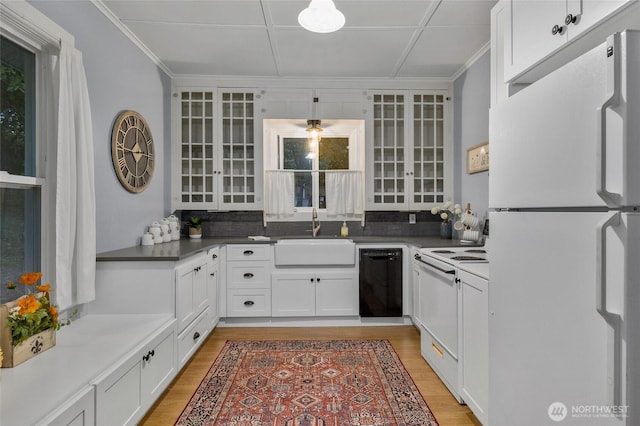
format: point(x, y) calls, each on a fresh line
point(178, 250)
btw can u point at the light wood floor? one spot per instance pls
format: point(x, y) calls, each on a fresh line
point(405, 340)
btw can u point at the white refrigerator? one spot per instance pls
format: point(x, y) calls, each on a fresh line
point(564, 296)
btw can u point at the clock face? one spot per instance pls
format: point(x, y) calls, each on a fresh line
point(132, 151)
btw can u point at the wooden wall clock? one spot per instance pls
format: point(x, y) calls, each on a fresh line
point(132, 151)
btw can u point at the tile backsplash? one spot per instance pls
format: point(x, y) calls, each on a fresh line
point(377, 223)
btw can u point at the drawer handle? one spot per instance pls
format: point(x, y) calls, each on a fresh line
point(214, 256)
point(248, 252)
point(249, 303)
point(248, 275)
point(437, 350)
point(149, 354)
point(557, 29)
point(212, 274)
point(196, 336)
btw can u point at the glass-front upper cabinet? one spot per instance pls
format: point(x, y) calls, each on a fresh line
point(217, 150)
point(410, 150)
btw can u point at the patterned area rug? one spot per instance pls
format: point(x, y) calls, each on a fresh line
point(307, 383)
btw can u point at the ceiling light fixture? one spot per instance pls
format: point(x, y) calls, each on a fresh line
point(321, 17)
point(314, 129)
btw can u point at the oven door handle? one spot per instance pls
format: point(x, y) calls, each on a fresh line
point(442, 269)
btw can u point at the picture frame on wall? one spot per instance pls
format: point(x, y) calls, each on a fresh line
point(478, 158)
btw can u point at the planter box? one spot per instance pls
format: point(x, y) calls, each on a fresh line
point(34, 345)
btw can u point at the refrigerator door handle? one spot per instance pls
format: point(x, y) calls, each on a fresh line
point(614, 336)
point(613, 99)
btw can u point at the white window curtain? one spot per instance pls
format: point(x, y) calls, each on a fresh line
point(75, 218)
point(344, 193)
point(278, 200)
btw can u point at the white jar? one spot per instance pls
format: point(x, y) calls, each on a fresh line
point(166, 231)
point(156, 231)
point(147, 239)
point(174, 227)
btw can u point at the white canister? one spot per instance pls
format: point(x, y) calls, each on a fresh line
point(147, 239)
point(166, 231)
point(156, 231)
point(174, 227)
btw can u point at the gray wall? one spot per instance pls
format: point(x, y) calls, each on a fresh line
point(119, 77)
point(471, 92)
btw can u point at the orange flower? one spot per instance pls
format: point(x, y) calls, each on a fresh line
point(54, 313)
point(28, 305)
point(44, 287)
point(30, 278)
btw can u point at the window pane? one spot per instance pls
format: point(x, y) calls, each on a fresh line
point(297, 154)
point(303, 187)
point(17, 104)
point(334, 154)
point(19, 237)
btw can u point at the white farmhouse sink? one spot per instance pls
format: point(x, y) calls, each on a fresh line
point(311, 251)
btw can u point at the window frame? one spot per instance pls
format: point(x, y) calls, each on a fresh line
point(275, 130)
point(33, 31)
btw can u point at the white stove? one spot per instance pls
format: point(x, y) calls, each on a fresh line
point(456, 255)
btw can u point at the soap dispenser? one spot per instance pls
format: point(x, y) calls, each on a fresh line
point(344, 231)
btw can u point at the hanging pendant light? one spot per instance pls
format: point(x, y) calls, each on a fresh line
point(321, 17)
point(314, 129)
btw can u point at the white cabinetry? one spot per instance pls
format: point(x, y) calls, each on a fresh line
point(213, 278)
point(192, 290)
point(192, 305)
point(249, 280)
point(538, 29)
point(415, 286)
point(410, 157)
point(475, 343)
point(124, 393)
point(78, 411)
point(214, 145)
point(319, 292)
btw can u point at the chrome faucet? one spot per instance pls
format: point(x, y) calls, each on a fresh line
point(315, 222)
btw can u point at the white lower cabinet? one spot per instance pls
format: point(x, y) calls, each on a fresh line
point(475, 343)
point(128, 390)
point(213, 278)
point(248, 276)
point(78, 411)
point(314, 293)
point(190, 338)
point(192, 290)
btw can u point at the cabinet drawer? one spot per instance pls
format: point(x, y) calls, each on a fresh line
point(249, 303)
point(249, 252)
point(442, 362)
point(241, 275)
point(192, 337)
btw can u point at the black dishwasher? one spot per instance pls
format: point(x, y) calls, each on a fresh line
point(381, 282)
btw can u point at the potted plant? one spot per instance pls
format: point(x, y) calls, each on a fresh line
point(29, 323)
point(195, 227)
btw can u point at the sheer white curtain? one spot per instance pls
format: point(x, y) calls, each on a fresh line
point(278, 195)
point(344, 193)
point(75, 218)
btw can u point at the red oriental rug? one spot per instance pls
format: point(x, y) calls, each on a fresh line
point(307, 383)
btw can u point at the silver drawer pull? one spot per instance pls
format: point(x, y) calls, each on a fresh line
point(249, 303)
point(248, 275)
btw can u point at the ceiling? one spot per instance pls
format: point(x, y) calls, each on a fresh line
point(391, 39)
